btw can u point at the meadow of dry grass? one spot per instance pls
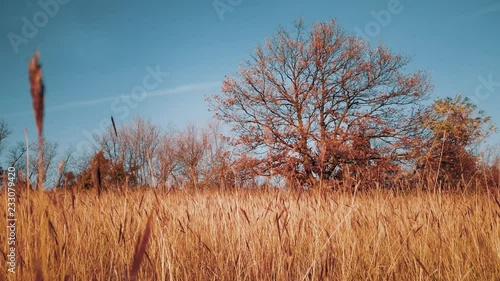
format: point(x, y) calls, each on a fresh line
point(256, 235)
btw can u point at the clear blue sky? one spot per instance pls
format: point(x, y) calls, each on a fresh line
point(95, 51)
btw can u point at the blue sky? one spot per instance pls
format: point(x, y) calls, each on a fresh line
point(94, 52)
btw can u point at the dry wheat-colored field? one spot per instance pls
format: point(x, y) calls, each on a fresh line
point(255, 235)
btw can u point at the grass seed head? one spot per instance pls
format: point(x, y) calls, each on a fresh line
point(37, 91)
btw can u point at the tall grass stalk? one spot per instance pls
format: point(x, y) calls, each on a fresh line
point(37, 96)
point(27, 159)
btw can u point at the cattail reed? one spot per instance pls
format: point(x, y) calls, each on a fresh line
point(37, 96)
point(114, 126)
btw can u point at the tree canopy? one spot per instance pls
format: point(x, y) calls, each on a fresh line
point(310, 104)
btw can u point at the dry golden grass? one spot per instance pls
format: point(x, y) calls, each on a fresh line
point(256, 235)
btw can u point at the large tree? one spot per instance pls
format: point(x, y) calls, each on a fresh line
point(309, 104)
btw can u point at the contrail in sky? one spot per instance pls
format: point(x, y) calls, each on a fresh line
point(96, 101)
